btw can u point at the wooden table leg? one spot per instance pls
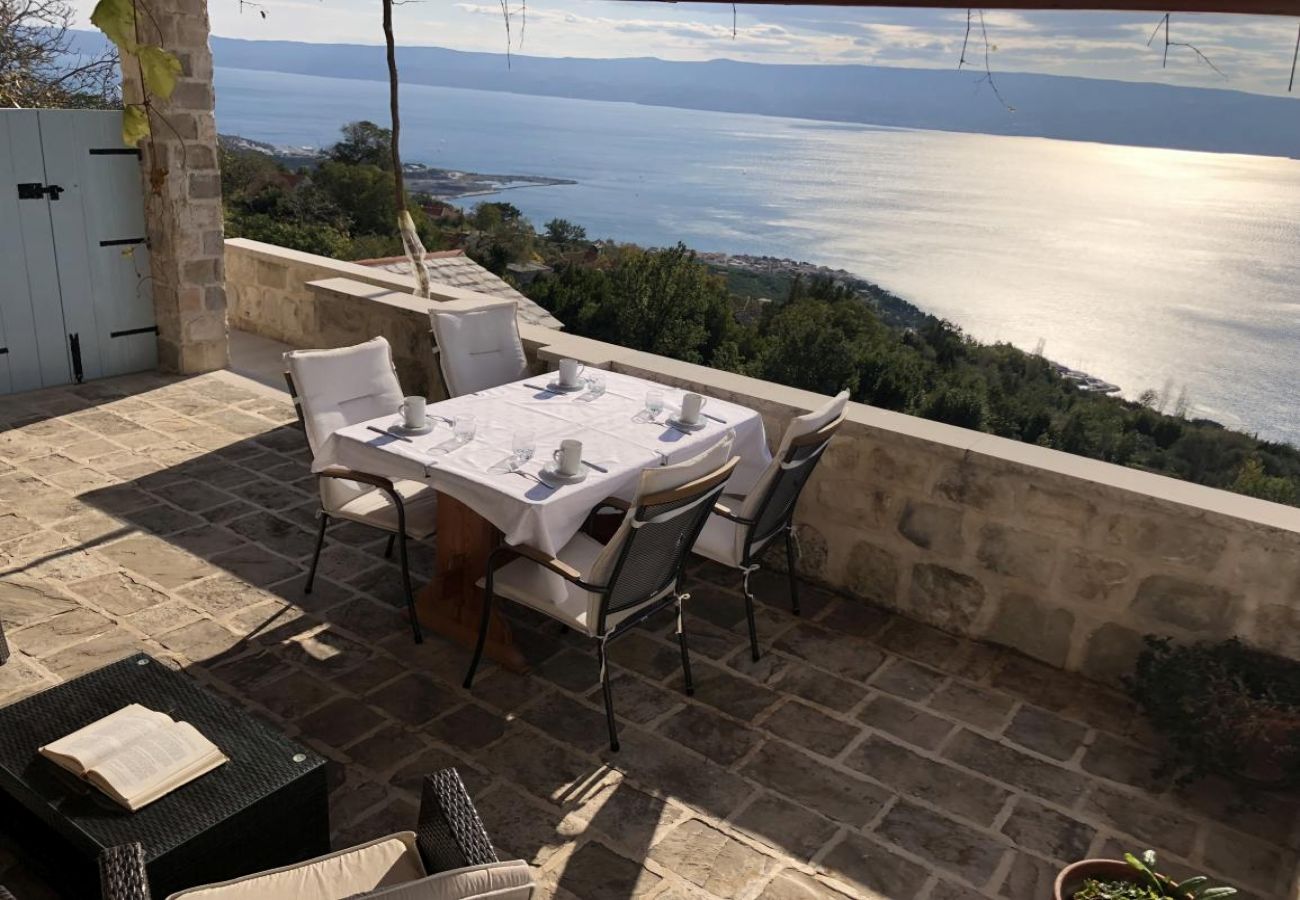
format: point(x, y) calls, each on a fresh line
point(451, 604)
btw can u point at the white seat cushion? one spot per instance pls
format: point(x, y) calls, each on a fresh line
point(376, 508)
point(719, 540)
point(382, 862)
point(798, 427)
point(511, 880)
point(524, 581)
point(342, 387)
point(479, 348)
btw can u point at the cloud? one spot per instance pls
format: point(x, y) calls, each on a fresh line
point(1254, 51)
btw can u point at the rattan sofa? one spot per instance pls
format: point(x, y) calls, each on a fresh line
point(448, 857)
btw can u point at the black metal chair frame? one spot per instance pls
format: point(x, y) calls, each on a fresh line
point(800, 459)
point(449, 835)
point(383, 484)
point(704, 492)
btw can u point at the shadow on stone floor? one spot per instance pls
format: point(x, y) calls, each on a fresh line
point(865, 754)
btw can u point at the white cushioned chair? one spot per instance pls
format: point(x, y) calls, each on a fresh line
point(478, 344)
point(448, 857)
point(743, 526)
point(611, 588)
point(334, 388)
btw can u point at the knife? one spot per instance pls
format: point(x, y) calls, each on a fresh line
point(714, 418)
point(544, 390)
point(397, 437)
point(592, 465)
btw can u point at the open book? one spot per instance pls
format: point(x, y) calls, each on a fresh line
point(136, 755)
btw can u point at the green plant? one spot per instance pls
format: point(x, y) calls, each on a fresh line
point(158, 68)
point(1222, 708)
point(1149, 884)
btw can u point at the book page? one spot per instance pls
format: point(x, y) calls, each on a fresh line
point(153, 757)
point(90, 746)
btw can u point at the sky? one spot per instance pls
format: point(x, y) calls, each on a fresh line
point(1254, 53)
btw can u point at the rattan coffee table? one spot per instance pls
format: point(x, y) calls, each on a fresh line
point(267, 807)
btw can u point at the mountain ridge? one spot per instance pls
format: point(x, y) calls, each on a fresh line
point(1050, 106)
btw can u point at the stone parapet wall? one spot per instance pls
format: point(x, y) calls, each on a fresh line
point(305, 300)
point(1066, 559)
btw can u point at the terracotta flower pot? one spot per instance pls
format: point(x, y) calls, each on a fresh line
point(1074, 875)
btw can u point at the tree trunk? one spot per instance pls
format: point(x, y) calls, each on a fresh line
point(405, 226)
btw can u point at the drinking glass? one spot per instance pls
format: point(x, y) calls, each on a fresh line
point(523, 447)
point(654, 402)
point(463, 428)
point(595, 385)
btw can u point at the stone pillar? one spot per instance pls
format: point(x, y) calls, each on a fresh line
point(182, 188)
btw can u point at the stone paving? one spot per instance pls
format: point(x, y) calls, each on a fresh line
point(865, 755)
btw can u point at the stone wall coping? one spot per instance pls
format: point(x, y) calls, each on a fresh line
point(350, 289)
point(356, 271)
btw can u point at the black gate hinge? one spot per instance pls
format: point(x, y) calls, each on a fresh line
point(74, 345)
point(34, 190)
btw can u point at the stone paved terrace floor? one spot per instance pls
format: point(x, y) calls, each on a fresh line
point(865, 755)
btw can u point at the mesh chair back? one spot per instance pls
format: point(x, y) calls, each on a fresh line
point(663, 529)
point(478, 346)
point(776, 508)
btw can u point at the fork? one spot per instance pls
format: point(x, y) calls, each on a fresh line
point(531, 477)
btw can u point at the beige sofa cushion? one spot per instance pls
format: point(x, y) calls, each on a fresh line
point(345, 873)
point(512, 880)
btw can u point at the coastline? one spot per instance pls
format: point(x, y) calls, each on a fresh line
point(439, 184)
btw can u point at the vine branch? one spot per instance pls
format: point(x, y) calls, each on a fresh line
point(987, 77)
point(1164, 63)
point(1294, 59)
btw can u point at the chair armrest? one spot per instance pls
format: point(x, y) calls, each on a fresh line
point(121, 873)
point(5, 895)
point(353, 475)
point(450, 834)
point(720, 509)
point(558, 566)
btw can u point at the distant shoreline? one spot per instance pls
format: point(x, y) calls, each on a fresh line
point(440, 184)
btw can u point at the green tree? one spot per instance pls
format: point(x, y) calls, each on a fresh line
point(662, 301)
point(1254, 481)
point(364, 144)
point(564, 232)
point(962, 405)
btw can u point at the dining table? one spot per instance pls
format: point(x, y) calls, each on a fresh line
point(486, 496)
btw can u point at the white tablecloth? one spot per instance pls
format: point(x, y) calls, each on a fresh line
point(612, 429)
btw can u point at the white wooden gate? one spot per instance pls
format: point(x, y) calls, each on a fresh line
point(75, 301)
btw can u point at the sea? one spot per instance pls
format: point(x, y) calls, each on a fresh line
point(1171, 270)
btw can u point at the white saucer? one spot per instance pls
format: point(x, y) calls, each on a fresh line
point(683, 426)
point(400, 428)
point(550, 473)
point(565, 388)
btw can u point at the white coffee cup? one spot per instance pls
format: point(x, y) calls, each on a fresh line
point(691, 406)
point(568, 459)
point(570, 369)
point(413, 413)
